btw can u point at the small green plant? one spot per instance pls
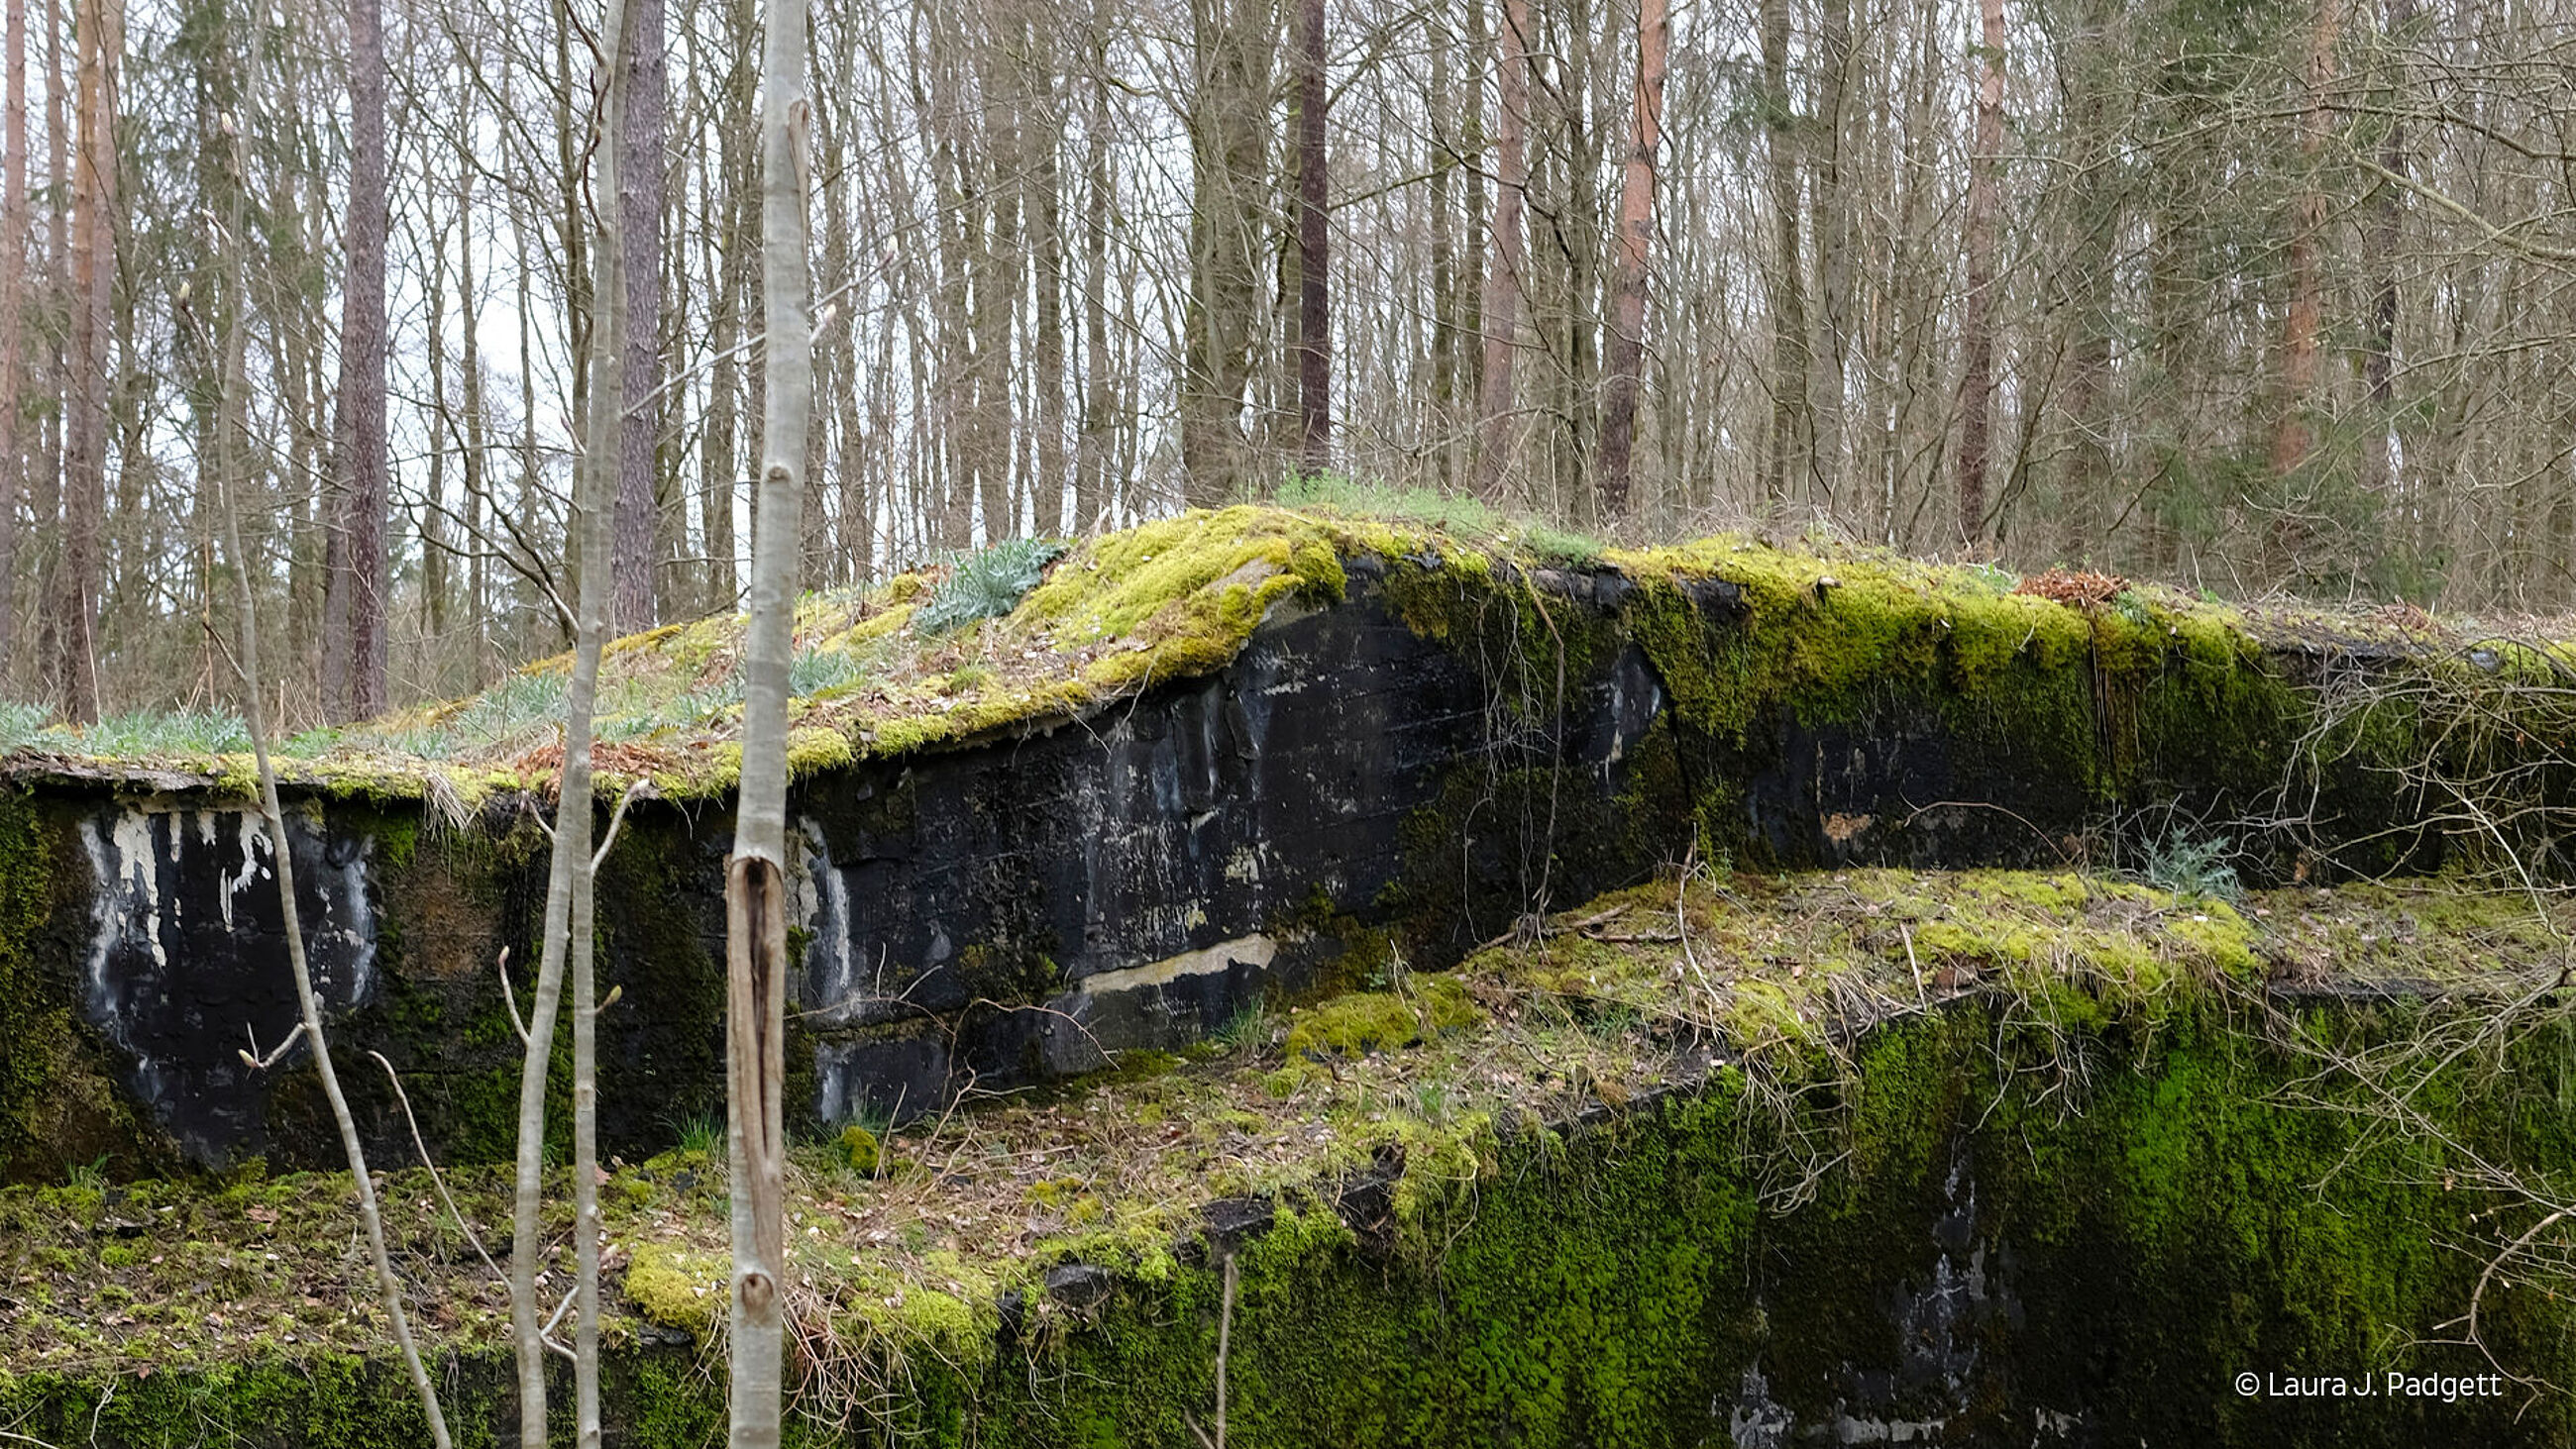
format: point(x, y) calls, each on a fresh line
point(2192, 868)
point(703, 1133)
point(2132, 606)
point(1333, 493)
point(167, 732)
point(519, 703)
point(1997, 581)
point(21, 725)
point(821, 671)
point(1247, 1031)
point(1560, 546)
point(986, 584)
point(1433, 1099)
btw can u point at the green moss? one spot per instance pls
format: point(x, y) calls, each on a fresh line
point(1369, 1021)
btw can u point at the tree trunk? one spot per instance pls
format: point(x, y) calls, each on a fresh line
point(1314, 245)
point(638, 424)
point(2379, 359)
point(1047, 250)
point(1507, 271)
point(13, 329)
point(1786, 450)
point(2290, 435)
point(1977, 327)
point(356, 665)
point(1636, 240)
point(1091, 455)
point(1229, 146)
point(75, 622)
point(755, 884)
point(1833, 227)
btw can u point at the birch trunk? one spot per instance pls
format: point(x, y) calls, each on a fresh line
point(755, 884)
point(566, 945)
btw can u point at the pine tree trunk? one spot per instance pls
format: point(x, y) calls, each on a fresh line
point(1636, 241)
point(2379, 360)
point(13, 329)
point(1785, 452)
point(638, 425)
point(358, 437)
point(75, 620)
point(1314, 247)
point(1977, 327)
point(1507, 271)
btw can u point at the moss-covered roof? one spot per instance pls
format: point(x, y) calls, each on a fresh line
point(911, 1243)
point(1174, 598)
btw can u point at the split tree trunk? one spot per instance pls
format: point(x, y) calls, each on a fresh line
point(755, 879)
point(1636, 240)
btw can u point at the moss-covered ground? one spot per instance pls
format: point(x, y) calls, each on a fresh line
point(1519, 1202)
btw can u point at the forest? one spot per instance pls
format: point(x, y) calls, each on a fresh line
point(2248, 295)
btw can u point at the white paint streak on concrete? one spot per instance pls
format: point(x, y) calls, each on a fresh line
point(1255, 950)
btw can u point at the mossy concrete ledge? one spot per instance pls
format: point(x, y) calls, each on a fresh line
point(1868, 1158)
point(1233, 756)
